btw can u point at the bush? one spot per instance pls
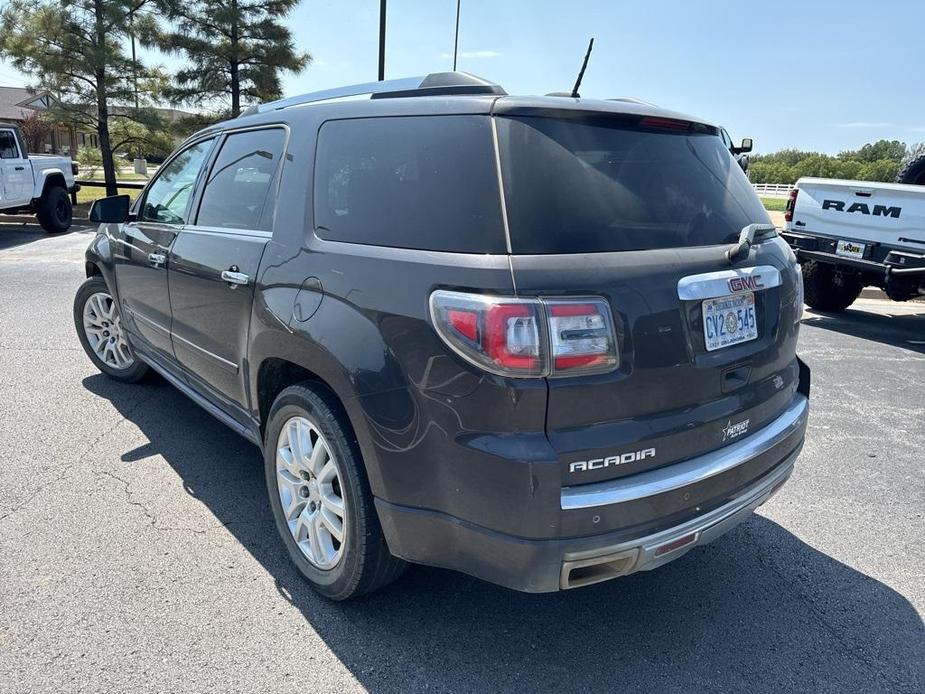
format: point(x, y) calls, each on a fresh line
point(90, 160)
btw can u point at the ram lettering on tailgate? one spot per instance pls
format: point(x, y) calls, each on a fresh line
point(863, 208)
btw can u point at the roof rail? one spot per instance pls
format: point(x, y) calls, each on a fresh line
point(434, 84)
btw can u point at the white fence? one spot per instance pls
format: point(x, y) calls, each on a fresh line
point(773, 190)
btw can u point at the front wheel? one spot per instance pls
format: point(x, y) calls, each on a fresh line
point(320, 496)
point(99, 327)
point(825, 289)
point(54, 210)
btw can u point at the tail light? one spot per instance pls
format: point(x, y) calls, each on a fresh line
point(527, 338)
point(74, 168)
point(791, 204)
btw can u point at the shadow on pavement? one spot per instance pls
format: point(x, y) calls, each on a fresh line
point(906, 331)
point(14, 234)
point(758, 610)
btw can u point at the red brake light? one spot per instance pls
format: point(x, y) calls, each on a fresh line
point(791, 204)
point(466, 323)
point(512, 336)
point(664, 123)
point(527, 337)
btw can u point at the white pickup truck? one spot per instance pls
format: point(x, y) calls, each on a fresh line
point(851, 234)
point(35, 183)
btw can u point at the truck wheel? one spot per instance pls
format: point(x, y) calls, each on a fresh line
point(827, 290)
point(320, 496)
point(54, 210)
point(913, 172)
point(99, 327)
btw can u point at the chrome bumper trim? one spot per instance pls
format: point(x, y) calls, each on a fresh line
point(707, 527)
point(691, 471)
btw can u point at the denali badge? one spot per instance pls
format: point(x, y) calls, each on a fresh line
point(734, 431)
point(745, 284)
point(622, 459)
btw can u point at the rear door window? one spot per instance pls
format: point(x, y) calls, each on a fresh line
point(607, 185)
point(424, 182)
point(237, 193)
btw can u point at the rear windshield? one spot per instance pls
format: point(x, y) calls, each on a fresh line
point(605, 185)
point(424, 182)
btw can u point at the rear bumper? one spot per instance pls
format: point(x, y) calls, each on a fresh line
point(881, 260)
point(531, 565)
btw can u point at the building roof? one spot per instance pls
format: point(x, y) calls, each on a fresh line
point(17, 102)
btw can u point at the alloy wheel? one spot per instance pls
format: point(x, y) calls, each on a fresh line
point(102, 325)
point(309, 483)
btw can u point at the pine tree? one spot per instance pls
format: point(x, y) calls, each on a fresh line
point(236, 50)
point(75, 49)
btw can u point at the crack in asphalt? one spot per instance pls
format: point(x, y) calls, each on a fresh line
point(80, 459)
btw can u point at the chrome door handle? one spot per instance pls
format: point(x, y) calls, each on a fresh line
point(157, 258)
point(235, 278)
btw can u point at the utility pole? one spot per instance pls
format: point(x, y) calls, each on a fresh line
point(456, 40)
point(381, 40)
point(131, 32)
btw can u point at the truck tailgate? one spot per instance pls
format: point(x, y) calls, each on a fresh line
point(886, 213)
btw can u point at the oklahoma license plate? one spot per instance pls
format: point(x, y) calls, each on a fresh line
point(729, 320)
point(850, 249)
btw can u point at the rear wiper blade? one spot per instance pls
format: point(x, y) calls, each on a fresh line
point(750, 235)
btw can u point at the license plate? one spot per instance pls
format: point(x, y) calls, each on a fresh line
point(729, 320)
point(850, 249)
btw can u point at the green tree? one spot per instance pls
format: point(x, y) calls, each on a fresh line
point(235, 50)
point(75, 49)
point(894, 150)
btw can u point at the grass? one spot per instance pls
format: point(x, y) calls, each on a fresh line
point(774, 204)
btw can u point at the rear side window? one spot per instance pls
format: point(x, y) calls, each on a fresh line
point(237, 192)
point(606, 185)
point(8, 148)
point(426, 182)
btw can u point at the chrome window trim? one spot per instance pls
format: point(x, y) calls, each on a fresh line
point(653, 482)
point(713, 284)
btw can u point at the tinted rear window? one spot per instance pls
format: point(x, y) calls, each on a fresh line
point(425, 182)
point(583, 187)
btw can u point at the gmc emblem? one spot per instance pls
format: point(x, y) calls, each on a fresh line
point(745, 284)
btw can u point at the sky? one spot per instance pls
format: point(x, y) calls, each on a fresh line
point(823, 75)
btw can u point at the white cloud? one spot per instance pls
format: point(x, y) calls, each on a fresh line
point(473, 54)
point(862, 124)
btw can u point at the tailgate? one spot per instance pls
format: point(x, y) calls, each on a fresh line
point(671, 397)
point(887, 213)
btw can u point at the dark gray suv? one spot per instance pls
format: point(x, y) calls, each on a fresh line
point(545, 341)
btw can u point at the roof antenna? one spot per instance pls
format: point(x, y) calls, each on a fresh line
point(581, 73)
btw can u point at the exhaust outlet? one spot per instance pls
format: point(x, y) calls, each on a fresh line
point(584, 572)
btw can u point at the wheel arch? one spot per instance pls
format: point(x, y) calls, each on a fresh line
point(52, 178)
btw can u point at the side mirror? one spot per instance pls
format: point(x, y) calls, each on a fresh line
point(746, 145)
point(111, 210)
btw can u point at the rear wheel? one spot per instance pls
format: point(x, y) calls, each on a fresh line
point(99, 327)
point(825, 289)
point(320, 496)
point(54, 210)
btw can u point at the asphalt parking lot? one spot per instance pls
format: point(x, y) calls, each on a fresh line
point(137, 551)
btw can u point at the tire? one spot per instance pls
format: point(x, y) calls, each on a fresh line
point(913, 171)
point(54, 210)
point(364, 563)
point(118, 361)
point(824, 289)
